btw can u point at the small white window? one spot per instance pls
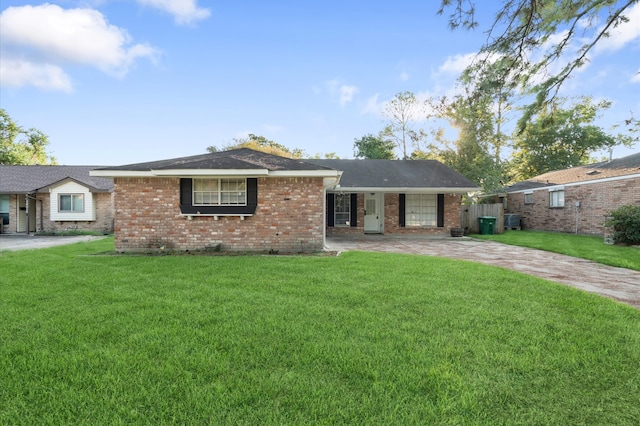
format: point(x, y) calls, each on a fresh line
point(556, 198)
point(528, 197)
point(71, 203)
point(342, 209)
point(219, 192)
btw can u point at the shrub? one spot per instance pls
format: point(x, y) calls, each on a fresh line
point(625, 222)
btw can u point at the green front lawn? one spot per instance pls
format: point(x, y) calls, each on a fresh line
point(363, 338)
point(582, 246)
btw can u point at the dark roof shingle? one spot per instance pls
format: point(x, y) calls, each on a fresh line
point(25, 179)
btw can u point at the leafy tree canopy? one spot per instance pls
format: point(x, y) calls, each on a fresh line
point(374, 147)
point(536, 45)
point(559, 138)
point(260, 143)
point(22, 147)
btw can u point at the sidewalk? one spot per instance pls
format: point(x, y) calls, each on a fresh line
point(620, 284)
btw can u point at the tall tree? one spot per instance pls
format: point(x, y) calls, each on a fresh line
point(260, 143)
point(401, 113)
point(20, 146)
point(547, 31)
point(558, 138)
point(374, 147)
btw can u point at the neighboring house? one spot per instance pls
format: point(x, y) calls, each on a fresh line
point(578, 199)
point(250, 200)
point(54, 198)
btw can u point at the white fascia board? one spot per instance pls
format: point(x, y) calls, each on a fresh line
point(180, 173)
point(305, 173)
point(406, 190)
point(211, 172)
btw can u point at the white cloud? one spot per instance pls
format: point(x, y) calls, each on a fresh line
point(372, 106)
point(404, 76)
point(456, 64)
point(344, 92)
point(623, 33)
point(184, 11)
point(50, 37)
point(17, 73)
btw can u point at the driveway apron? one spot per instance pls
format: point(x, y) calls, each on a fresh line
point(619, 284)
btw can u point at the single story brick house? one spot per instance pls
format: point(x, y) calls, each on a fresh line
point(576, 200)
point(249, 200)
point(54, 198)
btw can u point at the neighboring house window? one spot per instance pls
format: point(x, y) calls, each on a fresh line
point(528, 197)
point(4, 209)
point(342, 209)
point(71, 203)
point(421, 210)
point(219, 192)
point(556, 198)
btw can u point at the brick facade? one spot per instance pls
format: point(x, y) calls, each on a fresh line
point(596, 200)
point(452, 206)
point(41, 220)
point(288, 218)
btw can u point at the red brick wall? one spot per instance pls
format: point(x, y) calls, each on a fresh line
point(596, 201)
point(452, 205)
point(288, 218)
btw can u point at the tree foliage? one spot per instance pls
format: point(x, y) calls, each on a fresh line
point(22, 147)
point(559, 138)
point(260, 143)
point(401, 113)
point(374, 147)
point(536, 45)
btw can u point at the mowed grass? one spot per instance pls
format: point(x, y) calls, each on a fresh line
point(582, 246)
point(363, 338)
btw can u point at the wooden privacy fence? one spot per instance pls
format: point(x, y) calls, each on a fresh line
point(471, 213)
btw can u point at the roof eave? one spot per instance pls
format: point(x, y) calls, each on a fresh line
point(405, 190)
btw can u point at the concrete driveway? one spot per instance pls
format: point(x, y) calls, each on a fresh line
point(620, 284)
point(14, 242)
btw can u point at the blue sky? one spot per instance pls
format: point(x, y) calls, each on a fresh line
point(118, 82)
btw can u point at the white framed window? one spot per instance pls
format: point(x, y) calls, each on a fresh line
point(219, 192)
point(71, 203)
point(421, 210)
point(556, 198)
point(528, 197)
point(342, 210)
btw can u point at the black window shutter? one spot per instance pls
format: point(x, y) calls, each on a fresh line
point(330, 209)
point(354, 210)
point(401, 210)
point(252, 193)
point(185, 192)
point(440, 207)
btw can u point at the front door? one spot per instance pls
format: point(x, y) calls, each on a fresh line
point(373, 213)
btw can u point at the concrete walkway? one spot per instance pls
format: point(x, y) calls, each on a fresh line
point(14, 242)
point(620, 284)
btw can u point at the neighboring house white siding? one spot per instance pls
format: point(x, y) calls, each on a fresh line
point(83, 206)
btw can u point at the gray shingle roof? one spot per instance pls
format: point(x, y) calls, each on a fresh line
point(396, 174)
point(629, 165)
point(239, 159)
point(25, 179)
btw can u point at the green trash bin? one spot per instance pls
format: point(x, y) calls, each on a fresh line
point(487, 225)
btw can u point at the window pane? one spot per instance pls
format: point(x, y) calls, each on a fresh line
point(421, 209)
point(65, 203)
point(78, 203)
point(342, 209)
